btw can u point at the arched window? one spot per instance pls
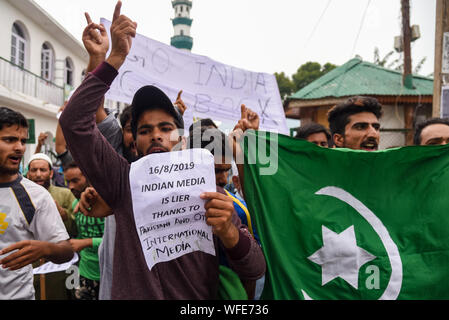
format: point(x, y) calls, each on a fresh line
point(68, 77)
point(47, 62)
point(18, 45)
point(182, 32)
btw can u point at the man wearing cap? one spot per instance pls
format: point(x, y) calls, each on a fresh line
point(155, 126)
point(40, 171)
point(30, 225)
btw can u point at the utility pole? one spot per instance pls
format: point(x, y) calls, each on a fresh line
point(407, 77)
point(441, 27)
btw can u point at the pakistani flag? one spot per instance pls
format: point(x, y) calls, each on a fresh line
point(346, 224)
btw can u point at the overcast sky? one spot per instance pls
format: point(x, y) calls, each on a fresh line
point(267, 35)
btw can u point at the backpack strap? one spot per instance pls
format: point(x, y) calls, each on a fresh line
point(24, 201)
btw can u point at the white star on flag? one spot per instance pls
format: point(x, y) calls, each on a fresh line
point(340, 256)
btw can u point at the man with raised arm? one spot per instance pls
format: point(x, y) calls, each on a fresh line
point(155, 124)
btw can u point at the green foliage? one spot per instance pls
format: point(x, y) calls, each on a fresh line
point(285, 85)
point(397, 64)
point(306, 74)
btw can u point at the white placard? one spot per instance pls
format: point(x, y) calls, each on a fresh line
point(211, 89)
point(51, 267)
point(168, 211)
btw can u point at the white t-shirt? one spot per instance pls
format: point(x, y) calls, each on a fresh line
point(22, 201)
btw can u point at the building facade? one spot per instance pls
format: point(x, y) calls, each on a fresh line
point(40, 64)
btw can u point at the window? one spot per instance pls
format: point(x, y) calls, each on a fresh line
point(182, 7)
point(18, 46)
point(68, 78)
point(182, 32)
point(47, 62)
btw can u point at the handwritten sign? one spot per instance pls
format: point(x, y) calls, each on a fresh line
point(168, 211)
point(211, 89)
point(51, 267)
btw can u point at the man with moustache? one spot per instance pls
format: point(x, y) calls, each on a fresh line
point(354, 124)
point(31, 227)
point(156, 126)
point(40, 171)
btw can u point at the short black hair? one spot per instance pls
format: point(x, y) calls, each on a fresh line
point(207, 122)
point(338, 116)
point(125, 116)
point(10, 117)
point(211, 139)
point(310, 128)
point(421, 125)
point(70, 165)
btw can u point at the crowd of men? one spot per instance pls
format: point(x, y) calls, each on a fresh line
point(92, 213)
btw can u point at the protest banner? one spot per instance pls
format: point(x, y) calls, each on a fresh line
point(168, 211)
point(351, 224)
point(210, 89)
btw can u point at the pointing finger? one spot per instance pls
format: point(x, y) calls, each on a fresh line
point(244, 112)
point(117, 10)
point(179, 95)
point(89, 20)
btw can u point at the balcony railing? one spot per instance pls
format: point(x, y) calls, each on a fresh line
point(21, 80)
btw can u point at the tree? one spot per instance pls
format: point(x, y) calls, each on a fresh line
point(309, 72)
point(397, 64)
point(285, 85)
point(306, 74)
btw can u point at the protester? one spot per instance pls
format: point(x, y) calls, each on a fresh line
point(30, 224)
point(315, 133)
point(434, 131)
point(40, 171)
point(354, 124)
point(155, 124)
point(217, 143)
point(89, 236)
point(202, 123)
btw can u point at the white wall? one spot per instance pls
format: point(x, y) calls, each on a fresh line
point(43, 113)
point(179, 27)
point(392, 118)
point(37, 36)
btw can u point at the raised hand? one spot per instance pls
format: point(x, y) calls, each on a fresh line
point(180, 104)
point(92, 204)
point(249, 119)
point(95, 39)
point(123, 29)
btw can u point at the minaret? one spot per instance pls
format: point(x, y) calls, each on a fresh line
point(182, 24)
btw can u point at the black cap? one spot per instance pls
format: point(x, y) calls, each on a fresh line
point(151, 97)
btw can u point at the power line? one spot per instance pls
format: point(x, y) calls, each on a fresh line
point(360, 28)
point(318, 23)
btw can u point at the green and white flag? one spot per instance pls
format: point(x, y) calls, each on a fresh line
point(346, 224)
